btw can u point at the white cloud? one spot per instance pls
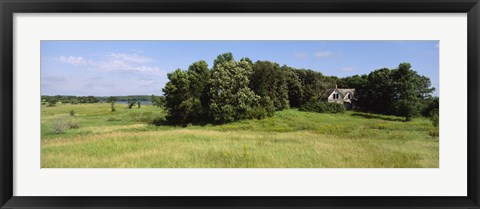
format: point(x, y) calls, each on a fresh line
point(77, 61)
point(121, 62)
point(130, 57)
point(322, 54)
point(146, 82)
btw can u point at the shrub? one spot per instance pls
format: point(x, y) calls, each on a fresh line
point(72, 113)
point(434, 132)
point(158, 121)
point(434, 118)
point(322, 107)
point(59, 126)
point(112, 106)
point(72, 125)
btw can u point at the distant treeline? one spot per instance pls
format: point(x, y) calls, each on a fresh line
point(233, 90)
point(68, 99)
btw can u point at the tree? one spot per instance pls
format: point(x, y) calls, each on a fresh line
point(176, 92)
point(225, 57)
point(411, 89)
point(353, 82)
point(184, 94)
point(377, 93)
point(199, 77)
point(294, 87)
point(269, 80)
point(398, 91)
point(314, 84)
point(230, 97)
point(112, 101)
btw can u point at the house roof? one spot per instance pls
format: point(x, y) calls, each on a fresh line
point(345, 91)
point(328, 92)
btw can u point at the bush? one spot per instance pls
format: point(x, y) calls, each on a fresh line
point(72, 113)
point(322, 107)
point(158, 121)
point(59, 126)
point(434, 132)
point(434, 118)
point(72, 125)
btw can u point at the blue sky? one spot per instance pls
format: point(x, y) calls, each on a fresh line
point(103, 68)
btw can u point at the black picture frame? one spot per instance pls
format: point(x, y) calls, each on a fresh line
point(9, 7)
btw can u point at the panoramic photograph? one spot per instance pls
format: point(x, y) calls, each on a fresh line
point(240, 104)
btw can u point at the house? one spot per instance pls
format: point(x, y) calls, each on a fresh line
point(340, 96)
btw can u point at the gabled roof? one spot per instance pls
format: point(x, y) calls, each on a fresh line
point(344, 92)
point(327, 93)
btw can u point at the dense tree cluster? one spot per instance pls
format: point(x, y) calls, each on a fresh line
point(400, 91)
point(233, 90)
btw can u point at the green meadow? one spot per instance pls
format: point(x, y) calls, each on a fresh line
point(91, 136)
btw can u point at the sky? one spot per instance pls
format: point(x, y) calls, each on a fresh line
point(120, 68)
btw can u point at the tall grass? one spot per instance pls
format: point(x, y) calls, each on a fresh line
point(290, 139)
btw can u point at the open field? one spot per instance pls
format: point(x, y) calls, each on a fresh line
point(290, 139)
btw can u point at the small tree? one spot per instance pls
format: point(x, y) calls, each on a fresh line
point(112, 101)
point(52, 101)
point(130, 104)
point(138, 104)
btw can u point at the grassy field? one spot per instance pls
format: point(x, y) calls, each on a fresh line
point(97, 138)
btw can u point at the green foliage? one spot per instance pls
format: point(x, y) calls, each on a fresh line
point(399, 92)
point(52, 101)
point(130, 104)
point(230, 97)
point(314, 84)
point(356, 81)
point(434, 117)
point(269, 80)
point(59, 126)
point(430, 106)
point(225, 57)
point(176, 92)
point(294, 87)
point(158, 101)
point(69, 99)
point(184, 94)
point(322, 107)
point(72, 113)
point(112, 107)
point(111, 99)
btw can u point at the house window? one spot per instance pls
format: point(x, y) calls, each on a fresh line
point(349, 97)
point(335, 96)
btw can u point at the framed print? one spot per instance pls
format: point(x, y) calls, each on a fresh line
point(265, 104)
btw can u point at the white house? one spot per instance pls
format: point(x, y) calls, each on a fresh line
point(340, 96)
